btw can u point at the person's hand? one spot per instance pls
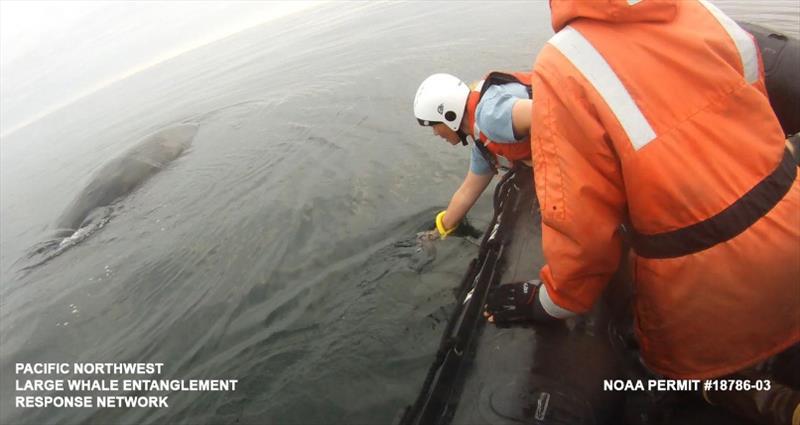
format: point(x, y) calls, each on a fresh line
point(512, 302)
point(429, 235)
point(443, 231)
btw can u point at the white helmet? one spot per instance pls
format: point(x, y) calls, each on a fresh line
point(441, 98)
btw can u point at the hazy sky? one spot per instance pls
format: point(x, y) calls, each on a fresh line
point(54, 52)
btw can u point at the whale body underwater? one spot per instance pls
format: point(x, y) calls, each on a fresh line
point(90, 209)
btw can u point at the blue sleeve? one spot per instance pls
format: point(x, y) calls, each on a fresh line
point(478, 163)
point(493, 114)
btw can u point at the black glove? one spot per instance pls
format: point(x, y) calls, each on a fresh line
point(513, 302)
point(517, 302)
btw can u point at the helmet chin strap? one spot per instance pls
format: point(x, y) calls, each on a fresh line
point(462, 136)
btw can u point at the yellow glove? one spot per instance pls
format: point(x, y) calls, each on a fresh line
point(440, 226)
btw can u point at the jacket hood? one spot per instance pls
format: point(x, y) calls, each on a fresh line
point(564, 11)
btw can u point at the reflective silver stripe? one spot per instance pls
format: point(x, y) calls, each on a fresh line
point(744, 43)
point(597, 71)
point(633, 2)
point(551, 307)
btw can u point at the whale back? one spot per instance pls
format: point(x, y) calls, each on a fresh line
point(123, 174)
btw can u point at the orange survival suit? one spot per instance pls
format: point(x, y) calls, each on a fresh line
point(654, 114)
point(510, 151)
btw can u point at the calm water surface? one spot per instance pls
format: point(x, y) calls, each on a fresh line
point(279, 249)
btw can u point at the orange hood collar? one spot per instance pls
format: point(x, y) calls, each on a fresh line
point(564, 11)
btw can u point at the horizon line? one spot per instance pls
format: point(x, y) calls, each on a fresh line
point(165, 57)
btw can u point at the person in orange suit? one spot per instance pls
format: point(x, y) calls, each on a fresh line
point(651, 122)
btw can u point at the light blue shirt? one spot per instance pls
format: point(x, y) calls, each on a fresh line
point(493, 116)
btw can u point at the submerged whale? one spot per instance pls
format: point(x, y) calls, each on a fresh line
point(125, 173)
point(93, 206)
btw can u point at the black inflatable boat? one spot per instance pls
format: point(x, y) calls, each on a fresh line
point(483, 374)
